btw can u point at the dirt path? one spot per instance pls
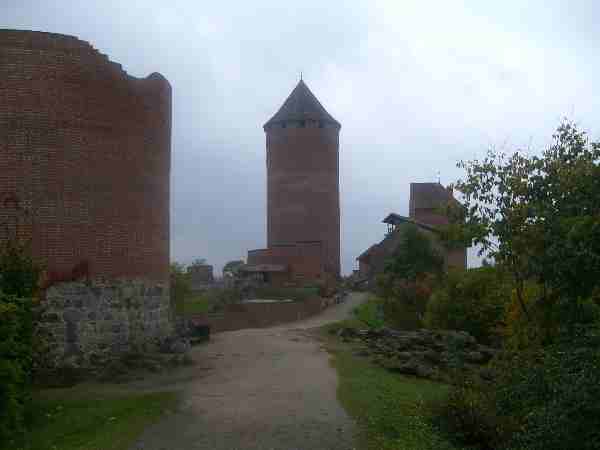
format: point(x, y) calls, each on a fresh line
point(268, 389)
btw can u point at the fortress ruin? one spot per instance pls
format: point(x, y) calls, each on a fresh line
point(85, 154)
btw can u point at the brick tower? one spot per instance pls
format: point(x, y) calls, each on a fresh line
point(303, 201)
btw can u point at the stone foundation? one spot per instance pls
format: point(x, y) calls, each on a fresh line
point(87, 323)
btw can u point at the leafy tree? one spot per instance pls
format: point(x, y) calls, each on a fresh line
point(409, 277)
point(539, 216)
point(415, 256)
point(232, 267)
point(180, 285)
point(198, 262)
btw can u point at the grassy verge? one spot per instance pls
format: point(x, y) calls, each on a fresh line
point(196, 304)
point(71, 419)
point(388, 408)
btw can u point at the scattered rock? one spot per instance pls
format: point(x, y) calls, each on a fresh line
point(487, 374)
point(475, 358)
point(423, 353)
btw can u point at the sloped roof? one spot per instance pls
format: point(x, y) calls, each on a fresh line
point(429, 195)
point(301, 105)
point(397, 219)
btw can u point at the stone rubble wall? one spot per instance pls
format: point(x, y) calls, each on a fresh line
point(423, 353)
point(88, 323)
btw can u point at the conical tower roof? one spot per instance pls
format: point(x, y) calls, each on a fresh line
point(301, 105)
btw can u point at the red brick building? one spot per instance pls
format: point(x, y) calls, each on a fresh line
point(85, 154)
point(284, 264)
point(303, 210)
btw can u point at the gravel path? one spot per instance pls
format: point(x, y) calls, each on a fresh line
point(268, 389)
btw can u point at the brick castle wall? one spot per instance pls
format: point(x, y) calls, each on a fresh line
point(86, 149)
point(85, 155)
point(303, 188)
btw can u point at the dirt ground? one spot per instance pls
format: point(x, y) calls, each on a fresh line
point(267, 389)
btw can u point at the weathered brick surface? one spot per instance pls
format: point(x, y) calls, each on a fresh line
point(85, 155)
point(303, 188)
point(259, 315)
point(304, 261)
point(86, 149)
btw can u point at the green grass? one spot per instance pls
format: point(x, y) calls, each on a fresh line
point(196, 304)
point(389, 408)
point(70, 419)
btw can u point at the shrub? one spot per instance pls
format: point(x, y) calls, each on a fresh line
point(406, 308)
point(541, 399)
point(16, 356)
point(409, 277)
point(19, 273)
point(474, 300)
point(19, 283)
point(180, 287)
point(547, 317)
point(370, 313)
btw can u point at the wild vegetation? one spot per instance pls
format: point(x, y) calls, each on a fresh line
point(19, 276)
point(32, 417)
point(538, 219)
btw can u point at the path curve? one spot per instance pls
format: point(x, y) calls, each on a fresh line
point(267, 389)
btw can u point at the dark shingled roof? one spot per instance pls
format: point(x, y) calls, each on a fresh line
point(301, 105)
point(397, 219)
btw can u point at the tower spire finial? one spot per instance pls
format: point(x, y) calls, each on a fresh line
point(300, 75)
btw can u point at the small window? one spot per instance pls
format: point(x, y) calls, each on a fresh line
point(302, 123)
point(282, 124)
point(321, 124)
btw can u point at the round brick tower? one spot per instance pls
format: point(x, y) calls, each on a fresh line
point(85, 155)
point(303, 202)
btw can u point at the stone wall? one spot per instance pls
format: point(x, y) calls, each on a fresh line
point(87, 323)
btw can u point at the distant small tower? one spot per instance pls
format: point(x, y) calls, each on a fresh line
point(303, 200)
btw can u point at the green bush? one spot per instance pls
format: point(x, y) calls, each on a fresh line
point(16, 356)
point(409, 278)
point(541, 399)
point(405, 308)
point(19, 273)
point(180, 287)
point(19, 283)
point(474, 300)
point(370, 313)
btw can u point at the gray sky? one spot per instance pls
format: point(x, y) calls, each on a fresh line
point(417, 86)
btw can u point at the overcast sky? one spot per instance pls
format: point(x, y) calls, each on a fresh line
point(417, 86)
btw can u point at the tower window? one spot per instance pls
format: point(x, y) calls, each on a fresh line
point(321, 124)
point(282, 124)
